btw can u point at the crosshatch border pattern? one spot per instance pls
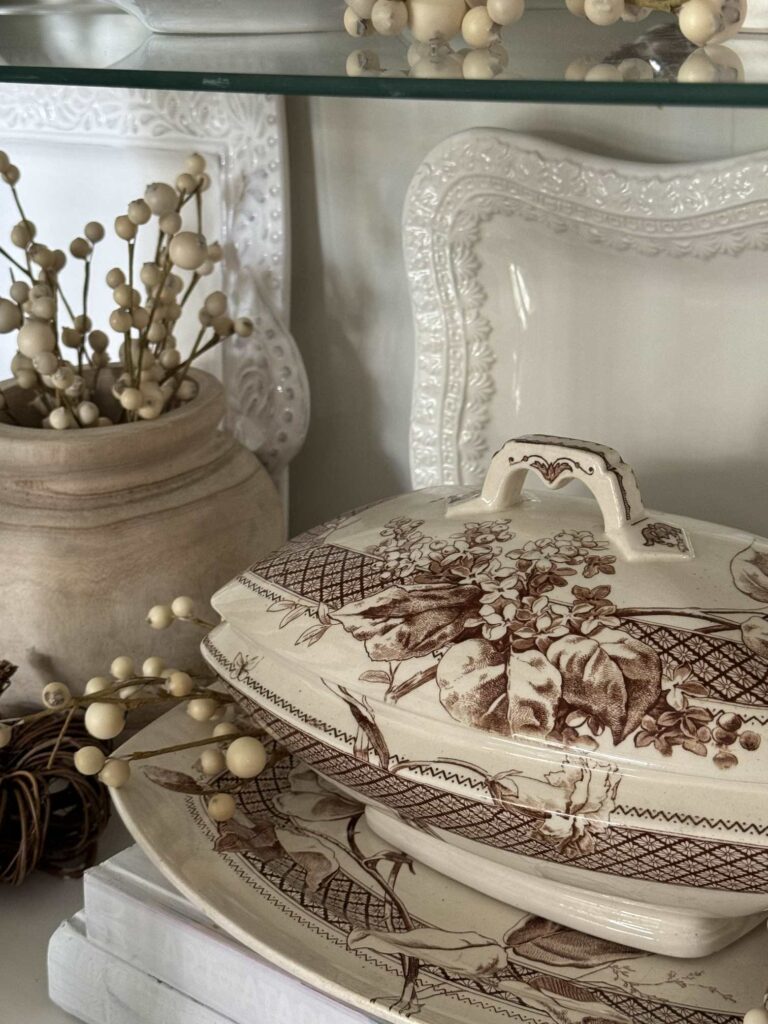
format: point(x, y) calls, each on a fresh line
point(627, 851)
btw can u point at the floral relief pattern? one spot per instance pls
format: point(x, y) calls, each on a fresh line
point(528, 641)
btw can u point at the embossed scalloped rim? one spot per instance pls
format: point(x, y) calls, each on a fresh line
point(698, 210)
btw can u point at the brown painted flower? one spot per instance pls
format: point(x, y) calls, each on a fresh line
point(750, 571)
point(580, 802)
point(548, 576)
point(595, 597)
point(596, 564)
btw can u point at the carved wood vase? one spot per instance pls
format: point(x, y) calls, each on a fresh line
point(98, 525)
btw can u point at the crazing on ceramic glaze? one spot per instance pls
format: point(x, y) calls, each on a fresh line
point(305, 849)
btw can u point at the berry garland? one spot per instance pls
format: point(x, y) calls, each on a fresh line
point(72, 735)
point(430, 26)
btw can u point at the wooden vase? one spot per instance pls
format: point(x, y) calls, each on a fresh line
point(98, 525)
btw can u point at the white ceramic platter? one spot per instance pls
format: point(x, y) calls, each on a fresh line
point(298, 877)
point(555, 291)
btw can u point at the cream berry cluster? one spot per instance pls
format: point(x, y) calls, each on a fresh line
point(429, 21)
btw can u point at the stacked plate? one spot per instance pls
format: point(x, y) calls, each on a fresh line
point(301, 880)
point(139, 951)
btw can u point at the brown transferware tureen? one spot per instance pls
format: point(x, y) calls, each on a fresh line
point(559, 701)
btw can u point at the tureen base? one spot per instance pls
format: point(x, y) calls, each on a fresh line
point(664, 930)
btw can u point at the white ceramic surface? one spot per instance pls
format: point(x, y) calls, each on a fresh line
point(538, 678)
point(657, 928)
point(235, 16)
point(134, 136)
point(558, 291)
point(298, 877)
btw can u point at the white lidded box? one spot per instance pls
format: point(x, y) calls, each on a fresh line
point(560, 701)
point(222, 17)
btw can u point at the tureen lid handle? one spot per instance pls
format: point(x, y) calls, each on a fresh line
point(557, 461)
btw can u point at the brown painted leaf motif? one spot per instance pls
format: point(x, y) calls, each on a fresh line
point(472, 678)
point(303, 780)
point(754, 633)
point(413, 682)
point(480, 687)
point(375, 675)
point(257, 838)
point(504, 789)
point(609, 675)
point(558, 946)
point(178, 782)
point(750, 572)
point(535, 687)
point(562, 987)
point(317, 859)
point(296, 613)
point(311, 635)
point(369, 738)
point(311, 797)
point(409, 621)
point(560, 1008)
point(467, 953)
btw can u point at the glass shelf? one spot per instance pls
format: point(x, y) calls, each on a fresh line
point(550, 56)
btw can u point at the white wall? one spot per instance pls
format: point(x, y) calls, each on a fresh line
point(352, 161)
point(61, 203)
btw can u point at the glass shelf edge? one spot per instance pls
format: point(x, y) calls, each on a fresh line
point(508, 91)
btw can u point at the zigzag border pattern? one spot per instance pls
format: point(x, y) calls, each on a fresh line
point(692, 819)
point(266, 694)
point(649, 855)
point(470, 992)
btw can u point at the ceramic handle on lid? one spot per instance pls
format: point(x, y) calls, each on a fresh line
point(557, 461)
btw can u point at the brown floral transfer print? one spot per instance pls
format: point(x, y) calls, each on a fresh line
point(527, 640)
point(307, 842)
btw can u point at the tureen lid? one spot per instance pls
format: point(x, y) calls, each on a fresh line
point(552, 619)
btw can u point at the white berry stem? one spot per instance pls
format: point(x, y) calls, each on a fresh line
point(60, 737)
point(183, 370)
point(144, 755)
point(23, 269)
point(189, 290)
point(86, 283)
point(196, 352)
